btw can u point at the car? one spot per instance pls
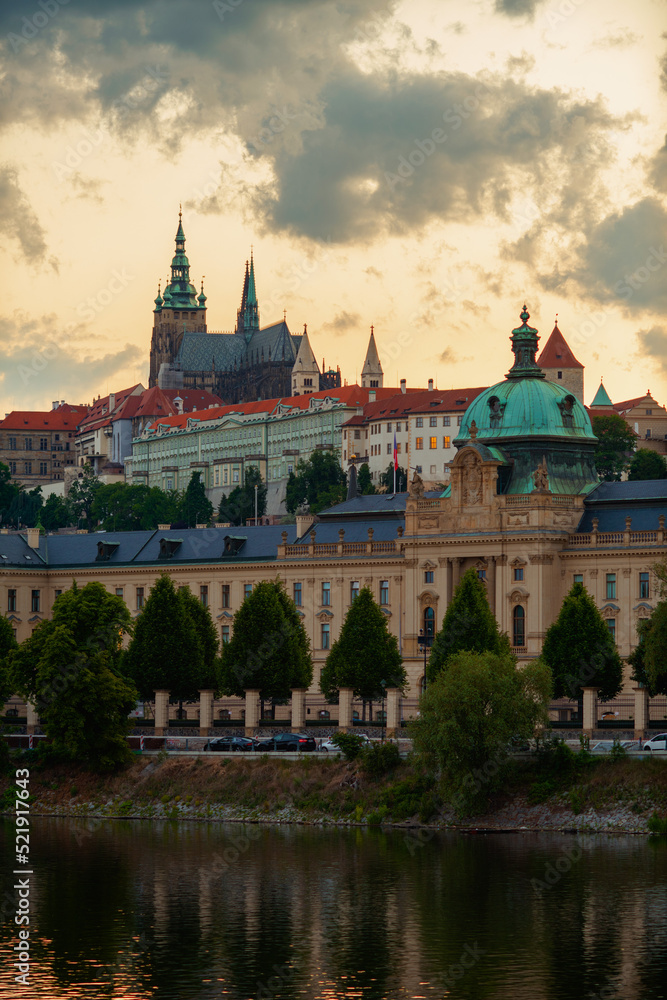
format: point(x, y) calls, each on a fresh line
point(656, 743)
point(288, 742)
point(231, 744)
point(329, 746)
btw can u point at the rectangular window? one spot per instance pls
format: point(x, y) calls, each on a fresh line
point(433, 421)
point(225, 635)
point(12, 444)
point(611, 586)
point(42, 468)
point(57, 593)
point(389, 448)
point(140, 598)
point(224, 477)
point(578, 578)
point(389, 428)
point(481, 573)
point(326, 637)
point(446, 442)
point(518, 574)
point(611, 625)
point(28, 467)
point(326, 594)
point(398, 447)
point(459, 419)
point(398, 427)
point(235, 475)
point(43, 444)
point(354, 590)
point(433, 442)
point(11, 600)
point(119, 591)
point(35, 601)
point(428, 576)
point(297, 594)
point(384, 591)
point(12, 468)
point(419, 444)
point(247, 590)
point(418, 470)
point(203, 595)
point(27, 444)
point(226, 595)
point(419, 422)
point(446, 421)
point(643, 585)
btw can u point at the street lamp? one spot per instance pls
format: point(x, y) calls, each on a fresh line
point(424, 642)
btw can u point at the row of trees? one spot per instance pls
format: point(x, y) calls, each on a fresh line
point(615, 453)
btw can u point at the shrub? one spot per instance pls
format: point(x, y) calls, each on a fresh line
point(350, 744)
point(617, 751)
point(380, 759)
point(658, 825)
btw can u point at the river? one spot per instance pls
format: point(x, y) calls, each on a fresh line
point(126, 909)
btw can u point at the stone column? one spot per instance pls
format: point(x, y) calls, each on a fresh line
point(641, 712)
point(344, 709)
point(205, 711)
point(32, 719)
point(590, 710)
point(393, 721)
point(298, 709)
point(161, 713)
point(251, 712)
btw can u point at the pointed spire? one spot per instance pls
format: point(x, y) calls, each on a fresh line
point(601, 398)
point(371, 373)
point(201, 298)
point(305, 359)
point(180, 235)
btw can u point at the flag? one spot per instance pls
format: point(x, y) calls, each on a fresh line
point(395, 453)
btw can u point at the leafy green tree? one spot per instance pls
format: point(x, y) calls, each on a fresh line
point(320, 482)
point(647, 464)
point(81, 496)
point(206, 633)
point(165, 652)
point(25, 506)
point(239, 506)
point(269, 648)
point(365, 656)
point(55, 513)
point(580, 649)
point(468, 716)
point(71, 668)
point(387, 479)
point(649, 657)
point(195, 507)
point(7, 644)
point(469, 624)
point(364, 480)
point(616, 440)
point(8, 491)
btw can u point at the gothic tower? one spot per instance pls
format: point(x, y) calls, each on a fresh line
point(372, 375)
point(178, 309)
point(306, 372)
point(247, 316)
point(560, 365)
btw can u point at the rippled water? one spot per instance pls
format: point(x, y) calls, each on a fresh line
point(168, 910)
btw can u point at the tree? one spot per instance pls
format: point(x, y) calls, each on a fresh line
point(195, 507)
point(387, 479)
point(166, 652)
point(239, 506)
point(649, 657)
point(25, 506)
point(320, 482)
point(364, 480)
point(8, 491)
point(71, 668)
point(81, 496)
point(54, 514)
point(206, 633)
point(7, 644)
point(269, 649)
point(365, 656)
point(580, 649)
point(469, 714)
point(647, 464)
point(615, 441)
point(469, 624)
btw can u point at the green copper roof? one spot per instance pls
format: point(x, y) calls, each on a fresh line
point(602, 397)
point(524, 344)
point(180, 293)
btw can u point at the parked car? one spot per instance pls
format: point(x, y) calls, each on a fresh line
point(656, 743)
point(231, 744)
point(330, 747)
point(288, 742)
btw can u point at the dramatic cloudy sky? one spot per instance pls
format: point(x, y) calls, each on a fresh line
point(421, 165)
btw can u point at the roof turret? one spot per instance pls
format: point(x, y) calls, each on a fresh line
point(601, 398)
point(372, 369)
point(524, 345)
point(182, 293)
point(201, 298)
point(158, 300)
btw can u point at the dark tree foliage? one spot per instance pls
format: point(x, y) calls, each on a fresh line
point(616, 441)
point(195, 507)
point(81, 496)
point(580, 649)
point(364, 480)
point(55, 513)
point(7, 644)
point(649, 657)
point(647, 464)
point(320, 482)
point(207, 635)
point(365, 656)
point(71, 668)
point(387, 479)
point(239, 506)
point(134, 507)
point(165, 652)
point(269, 649)
point(469, 625)
point(8, 489)
point(24, 508)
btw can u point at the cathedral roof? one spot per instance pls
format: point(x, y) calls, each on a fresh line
point(275, 339)
point(201, 352)
point(556, 352)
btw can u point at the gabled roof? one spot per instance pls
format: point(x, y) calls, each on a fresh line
point(556, 352)
point(602, 397)
point(203, 352)
point(398, 406)
point(64, 417)
point(629, 404)
point(275, 339)
point(99, 413)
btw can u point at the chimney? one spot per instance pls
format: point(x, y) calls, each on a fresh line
point(371, 395)
point(178, 403)
point(404, 385)
point(62, 402)
point(112, 401)
point(55, 404)
point(33, 537)
point(430, 385)
point(303, 523)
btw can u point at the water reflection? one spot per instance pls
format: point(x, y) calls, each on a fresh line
point(123, 909)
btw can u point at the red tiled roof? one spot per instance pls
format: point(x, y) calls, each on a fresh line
point(556, 352)
point(65, 417)
point(199, 398)
point(629, 404)
point(422, 401)
point(99, 415)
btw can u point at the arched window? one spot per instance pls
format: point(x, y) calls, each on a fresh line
point(429, 624)
point(518, 626)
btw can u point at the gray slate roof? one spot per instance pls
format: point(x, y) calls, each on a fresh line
point(644, 501)
point(277, 339)
point(641, 489)
point(201, 352)
point(387, 504)
point(355, 531)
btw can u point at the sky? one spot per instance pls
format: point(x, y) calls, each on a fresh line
point(423, 166)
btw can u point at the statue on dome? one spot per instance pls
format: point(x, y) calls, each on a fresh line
point(541, 477)
point(416, 488)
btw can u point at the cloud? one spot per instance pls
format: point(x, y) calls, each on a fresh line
point(342, 322)
point(517, 8)
point(619, 40)
point(653, 343)
point(657, 172)
point(41, 362)
point(18, 222)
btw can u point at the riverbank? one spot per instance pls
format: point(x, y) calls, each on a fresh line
point(607, 796)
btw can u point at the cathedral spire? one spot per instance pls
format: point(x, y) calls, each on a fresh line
point(524, 345)
point(372, 375)
point(247, 318)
